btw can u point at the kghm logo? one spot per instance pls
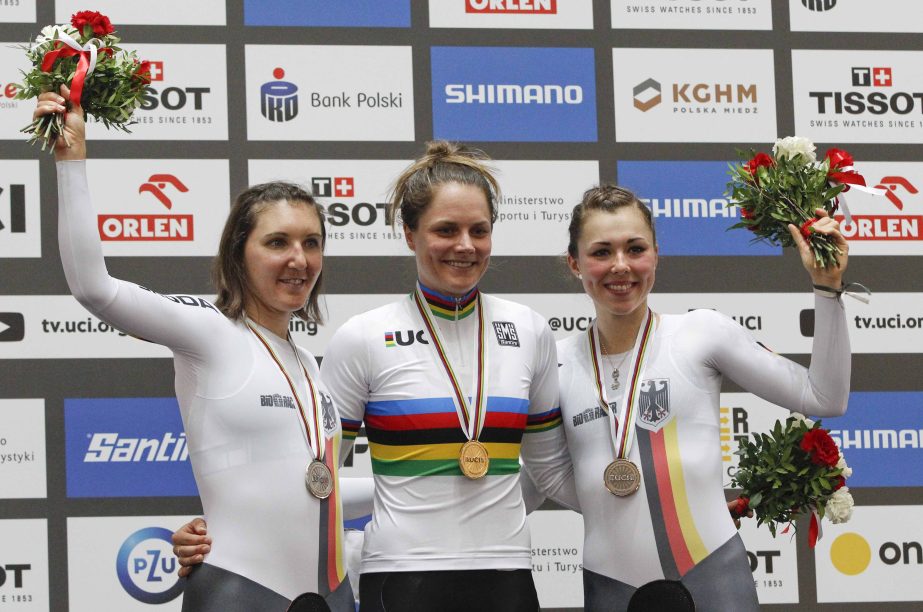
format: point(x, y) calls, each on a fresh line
point(646, 95)
point(819, 5)
point(279, 99)
point(151, 228)
point(147, 568)
point(489, 93)
point(17, 218)
point(543, 7)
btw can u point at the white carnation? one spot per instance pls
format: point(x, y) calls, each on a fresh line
point(800, 417)
point(50, 32)
point(841, 464)
point(839, 507)
point(791, 146)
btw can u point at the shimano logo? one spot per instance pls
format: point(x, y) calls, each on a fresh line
point(111, 447)
point(481, 93)
point(691, 208)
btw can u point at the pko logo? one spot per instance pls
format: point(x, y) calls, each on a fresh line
point(147, 568)
point(514, 93)
point(279, 99)
point(819, 5)
point(126, 447)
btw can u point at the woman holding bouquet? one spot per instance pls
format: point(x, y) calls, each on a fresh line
point(653, 500)
point(249, 457)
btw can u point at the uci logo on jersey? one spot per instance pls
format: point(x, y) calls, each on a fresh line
point(404, 338)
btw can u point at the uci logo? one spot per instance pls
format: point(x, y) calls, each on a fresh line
point(147, 568)
point(405, 338)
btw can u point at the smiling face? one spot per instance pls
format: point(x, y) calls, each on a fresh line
point(452, 240)
point(283, 257)
point(617, 260)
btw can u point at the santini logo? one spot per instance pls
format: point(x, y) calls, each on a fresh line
point(111, 447)
point(481, 93)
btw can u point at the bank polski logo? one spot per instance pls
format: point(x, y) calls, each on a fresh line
point(147, 568)
point(279, 99)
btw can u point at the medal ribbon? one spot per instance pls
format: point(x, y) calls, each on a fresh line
point(623, 438)
point(471, 416)
point(315, 443)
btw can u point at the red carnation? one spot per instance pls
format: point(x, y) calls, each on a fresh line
point(839, 158)
point(760, 160)
point(839, 483)
point(96, 21)
point(143, 71)
point(742, 507)
point(746, 214)
point(820, 447)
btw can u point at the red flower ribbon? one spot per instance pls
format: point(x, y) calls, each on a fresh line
point(841, 169)
point(83, 65)
point(806, 227)
point(813, 530)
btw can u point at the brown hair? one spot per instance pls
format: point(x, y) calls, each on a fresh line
point(228, 271)
point(605, 198)
point(443, 162)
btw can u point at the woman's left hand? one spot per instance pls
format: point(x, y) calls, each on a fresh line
point(831, 276)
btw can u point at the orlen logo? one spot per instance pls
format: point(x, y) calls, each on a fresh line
point(339, 213)
point(698, 98)
point(857, 102)
point(151, 228)
point(171, 98)
point(819, 5)
point(279, 99)
point(886, 227)
point(147, 568)
point(543, 7)
point(851, 553)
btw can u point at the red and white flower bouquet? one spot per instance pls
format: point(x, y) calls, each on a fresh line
point(84, 55)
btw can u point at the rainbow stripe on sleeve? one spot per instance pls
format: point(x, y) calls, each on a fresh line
point(544, 421)
point(350, 429)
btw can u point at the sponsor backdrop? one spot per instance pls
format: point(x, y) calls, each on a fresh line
point(654, 94)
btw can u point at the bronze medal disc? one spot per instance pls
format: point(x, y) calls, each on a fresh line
point(622, 477)
point(318, 479)
point(473, 459)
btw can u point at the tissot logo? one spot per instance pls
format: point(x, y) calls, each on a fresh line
point(150, 227)
point(12, 327)
point(819, 5)
point(12, 575)
point(864, 76)
point(547, 7)
point(156, 70)
point(279, 99)
point(333, 186)
point(875, 102)
point(646, 95)
point(16, 222)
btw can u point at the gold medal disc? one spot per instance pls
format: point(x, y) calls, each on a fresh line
point(622, 477)
point(318, 479)
point(473, 459)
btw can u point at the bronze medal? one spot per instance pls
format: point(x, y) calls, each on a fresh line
point(473, 459)
point(318, 479)
point(622, 477)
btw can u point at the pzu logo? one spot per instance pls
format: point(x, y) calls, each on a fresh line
point(147, 568)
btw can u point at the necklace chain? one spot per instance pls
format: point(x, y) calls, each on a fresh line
point(615, 384)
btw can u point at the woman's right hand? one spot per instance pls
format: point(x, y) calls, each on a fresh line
point(74, 147)
point(190, 544)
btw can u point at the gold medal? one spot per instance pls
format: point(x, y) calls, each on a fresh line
point(318, 479)
point(622, 477)
point(473, 459)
